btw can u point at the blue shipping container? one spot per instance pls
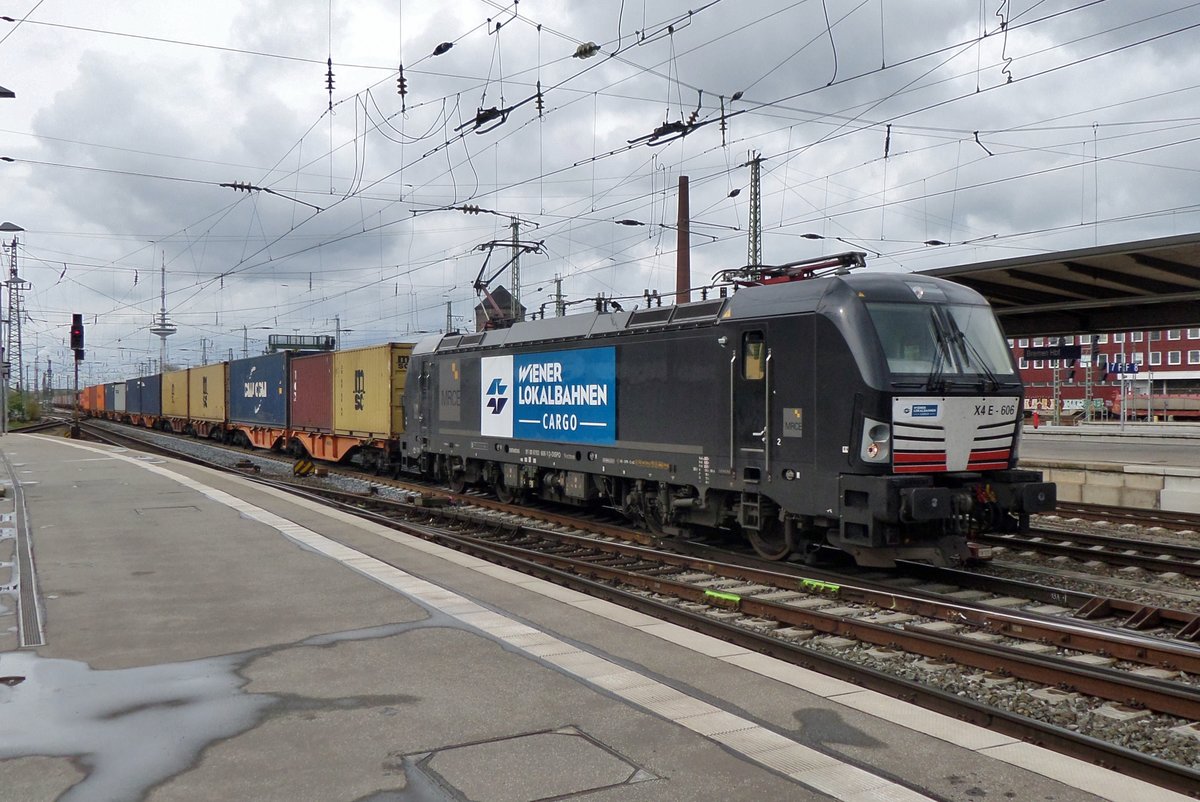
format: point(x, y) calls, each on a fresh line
point(258, 390)
point(133, 396)
point(152, 395)
point(144, 396)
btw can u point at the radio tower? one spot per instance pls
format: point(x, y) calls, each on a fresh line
point(163, 327)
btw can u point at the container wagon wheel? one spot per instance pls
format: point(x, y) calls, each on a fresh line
point(776, 540)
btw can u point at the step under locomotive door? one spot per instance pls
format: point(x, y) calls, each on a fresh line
point(750, 403)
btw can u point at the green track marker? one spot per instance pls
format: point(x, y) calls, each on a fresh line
point(728, 598)
point(819, 586)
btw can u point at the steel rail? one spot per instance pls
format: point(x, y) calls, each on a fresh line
point(1184, 559)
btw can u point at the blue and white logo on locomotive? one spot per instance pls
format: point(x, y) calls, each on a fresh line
point(495, 403)
point(561, 396)
point(924, 410)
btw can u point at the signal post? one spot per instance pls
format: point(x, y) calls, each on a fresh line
point(77, 347)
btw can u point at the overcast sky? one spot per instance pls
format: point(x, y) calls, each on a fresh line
point(1015, 128)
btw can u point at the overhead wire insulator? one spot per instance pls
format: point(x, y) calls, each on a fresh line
point(329, 80)
point(586, 50)
point(444, 47)
point(724, 123)
point(540, 102)
point(470, 208)
point(402, 88)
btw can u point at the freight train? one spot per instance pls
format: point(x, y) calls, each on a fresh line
point(877, 414)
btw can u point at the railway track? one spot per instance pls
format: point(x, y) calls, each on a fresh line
point(954, 655)
point(1166, 519)
point(1093, 549)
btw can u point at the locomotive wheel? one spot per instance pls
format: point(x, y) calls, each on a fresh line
point(458, 481)
point(775, 541)
point(653, 518)
point(508, 495)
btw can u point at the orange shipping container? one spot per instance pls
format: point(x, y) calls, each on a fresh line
point(368, 390)
point(207, 392)
point(175, 394)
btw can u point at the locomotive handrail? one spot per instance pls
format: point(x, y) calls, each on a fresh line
point(767, 417)
point(732, 418)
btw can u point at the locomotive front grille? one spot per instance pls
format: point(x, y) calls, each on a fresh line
point(934, 435)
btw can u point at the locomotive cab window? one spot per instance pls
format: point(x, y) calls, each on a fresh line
point(942, 340)
point(754, 356)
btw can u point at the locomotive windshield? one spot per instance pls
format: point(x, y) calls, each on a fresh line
point(941, 342)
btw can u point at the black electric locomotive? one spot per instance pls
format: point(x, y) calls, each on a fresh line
point(876, 413)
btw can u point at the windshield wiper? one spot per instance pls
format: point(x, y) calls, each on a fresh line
point(936, 380)
point(970, 351)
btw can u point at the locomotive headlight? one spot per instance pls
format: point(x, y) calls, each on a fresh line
point(876, 441)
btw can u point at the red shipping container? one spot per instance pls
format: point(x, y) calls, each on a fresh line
point(311, 392)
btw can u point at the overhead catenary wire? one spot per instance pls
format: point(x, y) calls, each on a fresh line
point(540, 174)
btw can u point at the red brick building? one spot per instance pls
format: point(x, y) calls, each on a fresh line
point(1167, 371)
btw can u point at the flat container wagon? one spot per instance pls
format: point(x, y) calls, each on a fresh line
point(368, 391)
point(258, 398)
point(206, 394)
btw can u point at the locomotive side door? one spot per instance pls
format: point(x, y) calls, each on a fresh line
point(750, 390)
point(420, 418)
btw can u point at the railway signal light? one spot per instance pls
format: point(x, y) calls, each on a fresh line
point(76, 331)
point(77, 335)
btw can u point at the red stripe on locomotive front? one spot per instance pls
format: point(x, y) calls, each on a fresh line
point(920, 456)
point(999, 454)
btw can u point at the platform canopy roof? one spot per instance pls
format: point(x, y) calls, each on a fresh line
point(1152, 284)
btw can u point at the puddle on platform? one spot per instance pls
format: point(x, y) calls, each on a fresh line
point(133, 728)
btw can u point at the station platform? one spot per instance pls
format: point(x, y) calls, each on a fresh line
point(168, 632)
point(1142, 465)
